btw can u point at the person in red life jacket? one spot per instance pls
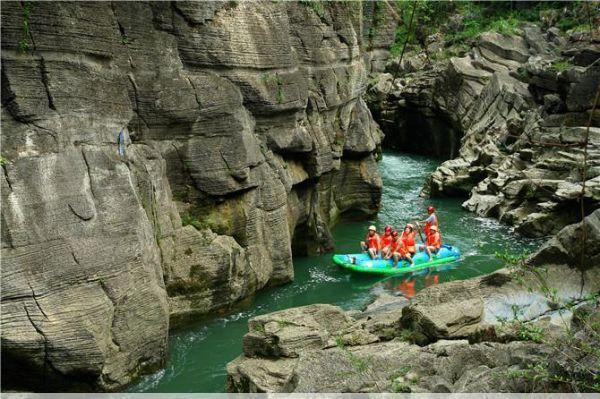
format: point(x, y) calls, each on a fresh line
point(397, 250)
point(372, 243)
point(432, 220)
point(434, 242)
point(386, 239)
point(393, 246)
point(408, 239)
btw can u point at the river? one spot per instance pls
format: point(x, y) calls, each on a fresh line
point(199, 353)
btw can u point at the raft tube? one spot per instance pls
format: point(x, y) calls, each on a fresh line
point(364, 264)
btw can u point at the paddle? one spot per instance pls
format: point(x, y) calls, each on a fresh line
point(419, 230)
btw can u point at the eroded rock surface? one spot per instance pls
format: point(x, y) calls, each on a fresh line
point(243, 127)
point(510, 121)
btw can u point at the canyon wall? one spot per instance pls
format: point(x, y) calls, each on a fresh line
point(511, 113)
point(163, 161)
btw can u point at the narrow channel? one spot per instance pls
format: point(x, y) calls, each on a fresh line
point(199, 354)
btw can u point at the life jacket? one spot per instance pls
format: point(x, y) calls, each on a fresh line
point(409, 241)
point(386, 240)
point(398, 246)
point(434, 240)
point(373, 241)
point(429, 224)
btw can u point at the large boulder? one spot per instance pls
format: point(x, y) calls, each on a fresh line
point(576, 245)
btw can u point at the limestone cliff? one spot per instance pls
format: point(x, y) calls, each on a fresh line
point(243, 130)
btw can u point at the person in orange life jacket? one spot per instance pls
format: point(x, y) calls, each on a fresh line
point(432, 220)
point(372, 243)
point(386, 239)
point(408, 238)
point(397, 250)
point(434, 242)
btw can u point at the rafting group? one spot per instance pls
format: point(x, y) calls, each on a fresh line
point(395, 246)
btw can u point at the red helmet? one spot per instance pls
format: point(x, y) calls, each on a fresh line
point(388, 229)
point(430, 209)
point(394, 233)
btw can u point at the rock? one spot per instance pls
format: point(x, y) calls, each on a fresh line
point(473, 308)
point(583, 54)
point(393, 366)
point(567, 247)
point(289, 332)
point(382, 316)
point(536, 41)
point(74, 254)
point(242, 121)
point(261, 375)
point(508, 47)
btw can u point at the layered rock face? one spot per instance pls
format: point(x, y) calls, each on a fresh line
point(243, 130)
point(513, 118)
point(479, 335)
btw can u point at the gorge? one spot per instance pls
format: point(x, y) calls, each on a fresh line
point(164, 161)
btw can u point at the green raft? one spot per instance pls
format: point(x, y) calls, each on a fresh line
point(364, 264)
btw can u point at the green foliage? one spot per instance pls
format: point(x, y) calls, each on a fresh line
point(561, 65)
point(400, 387)
point(506, 26)
point(24, 43)
point(477, 17)
point(406, 335)
point(524, 75)
point(275, 79)
point(187, 219)
point(511, 259)
point(378, 154)
point(378, 18)
point(529, 332)
point(398, 382)
point(530, 192)
point(3, 161)
point(316, 6)
point(124, 39)
point(361, 365)
point(259, 328)
point(284, 323)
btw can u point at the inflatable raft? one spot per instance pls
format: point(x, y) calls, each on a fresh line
point(364, 264)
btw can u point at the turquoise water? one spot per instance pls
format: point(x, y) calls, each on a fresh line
point(199, 354)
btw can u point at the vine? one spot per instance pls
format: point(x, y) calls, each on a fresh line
point(24, 43)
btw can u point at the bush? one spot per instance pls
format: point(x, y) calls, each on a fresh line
point(497, 16)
